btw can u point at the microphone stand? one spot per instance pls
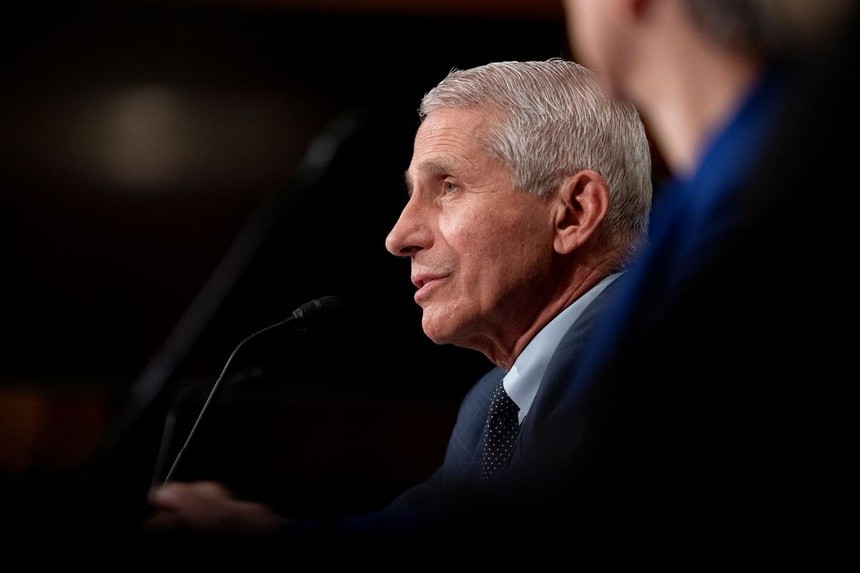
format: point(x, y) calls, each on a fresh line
point(317, 159)
point(170, 420)
point(311, 314)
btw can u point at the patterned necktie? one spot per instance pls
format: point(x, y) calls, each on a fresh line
point(501, 435)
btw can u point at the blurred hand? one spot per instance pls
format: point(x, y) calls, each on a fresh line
point(208, 507)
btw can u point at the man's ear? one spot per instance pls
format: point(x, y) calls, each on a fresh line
point(581, 205)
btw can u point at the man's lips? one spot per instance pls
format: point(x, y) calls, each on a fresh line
point(426, 284)
point(422, 279)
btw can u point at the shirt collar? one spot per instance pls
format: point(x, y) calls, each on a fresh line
point(523, 380)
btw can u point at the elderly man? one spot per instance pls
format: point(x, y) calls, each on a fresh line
point(529, 191)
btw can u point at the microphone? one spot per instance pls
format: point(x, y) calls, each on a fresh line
point(312, 314)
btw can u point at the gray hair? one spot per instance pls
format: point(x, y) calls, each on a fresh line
point(557, 121)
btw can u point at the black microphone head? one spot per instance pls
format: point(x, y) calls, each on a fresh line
point(317, 312)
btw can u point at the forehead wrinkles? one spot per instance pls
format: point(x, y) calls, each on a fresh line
point(451, 141)
point(449, 135)
point(436, 157)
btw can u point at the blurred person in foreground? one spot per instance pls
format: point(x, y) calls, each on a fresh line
point(722, 358)
point(529, 192)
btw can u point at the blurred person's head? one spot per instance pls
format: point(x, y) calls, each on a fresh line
point(686, 63)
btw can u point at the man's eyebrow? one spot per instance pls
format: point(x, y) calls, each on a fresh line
point(434, 167)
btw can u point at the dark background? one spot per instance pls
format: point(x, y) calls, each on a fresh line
point(178, 175)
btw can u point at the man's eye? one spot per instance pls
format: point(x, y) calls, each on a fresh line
point(449, 187)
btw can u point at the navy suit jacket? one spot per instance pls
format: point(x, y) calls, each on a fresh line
point(463, 456)
point(452, 502)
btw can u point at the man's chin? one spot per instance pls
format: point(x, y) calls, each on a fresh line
point(434, 331)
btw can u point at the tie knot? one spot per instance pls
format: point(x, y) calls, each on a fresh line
point(502, 404)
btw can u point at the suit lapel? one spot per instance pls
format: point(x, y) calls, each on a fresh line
point(558, 375)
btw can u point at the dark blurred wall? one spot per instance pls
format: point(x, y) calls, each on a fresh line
point(137, 144)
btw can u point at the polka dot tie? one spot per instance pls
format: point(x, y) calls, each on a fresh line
point(502, 428)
